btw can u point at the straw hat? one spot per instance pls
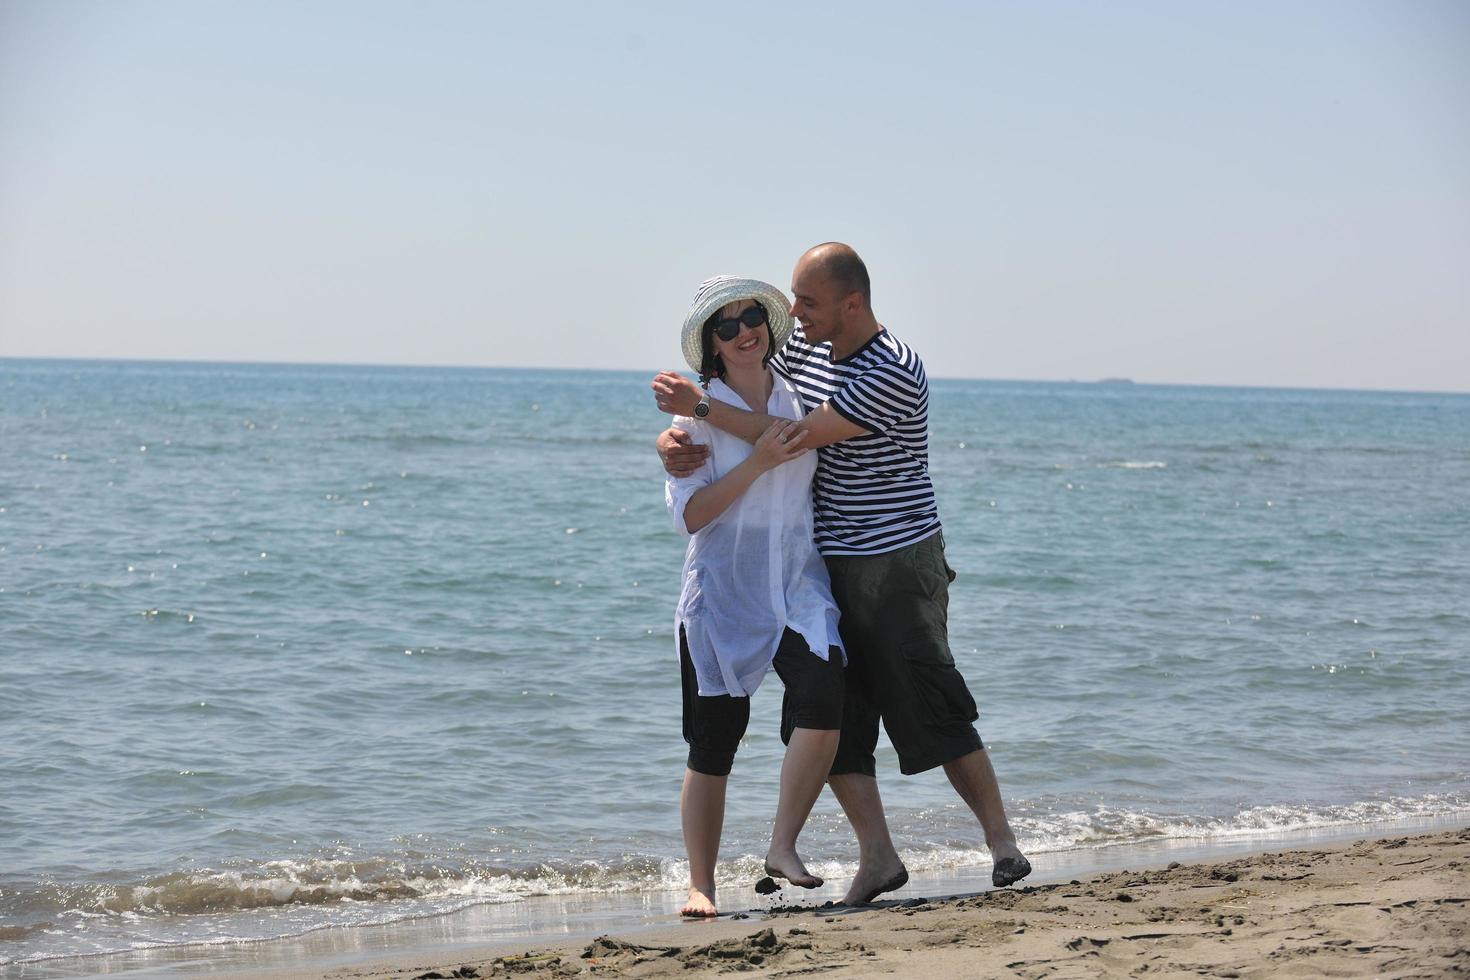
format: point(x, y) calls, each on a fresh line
point(715, 293)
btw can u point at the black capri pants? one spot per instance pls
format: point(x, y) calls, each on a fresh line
point(714, 726)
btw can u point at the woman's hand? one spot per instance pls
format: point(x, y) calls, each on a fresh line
point(780, 443)
point(675, 393)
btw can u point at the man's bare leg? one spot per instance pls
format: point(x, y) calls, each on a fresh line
point(879, 867)
point(702, 812)
point(803, 773)
point(974, 779)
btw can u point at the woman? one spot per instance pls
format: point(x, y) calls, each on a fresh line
point(756, 593)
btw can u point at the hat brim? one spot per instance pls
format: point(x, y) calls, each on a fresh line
point(716, 293)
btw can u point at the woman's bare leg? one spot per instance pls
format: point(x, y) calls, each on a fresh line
point(803, 773)
point(702, 811)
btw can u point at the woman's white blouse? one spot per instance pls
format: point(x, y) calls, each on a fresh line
point(755, 569)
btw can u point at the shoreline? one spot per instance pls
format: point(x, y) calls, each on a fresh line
point(565, 926)
point(1391, 906)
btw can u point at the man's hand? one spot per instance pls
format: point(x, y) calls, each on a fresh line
point(680, 456)
point(675, 393)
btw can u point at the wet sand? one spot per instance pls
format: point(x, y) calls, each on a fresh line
point(1393, 907)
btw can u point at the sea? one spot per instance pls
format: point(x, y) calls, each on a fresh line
point(292, 651)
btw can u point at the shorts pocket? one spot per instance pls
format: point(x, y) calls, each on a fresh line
point(949, 572)
point(932, 572)
point(944, 698)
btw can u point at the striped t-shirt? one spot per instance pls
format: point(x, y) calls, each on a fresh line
point(872, 492)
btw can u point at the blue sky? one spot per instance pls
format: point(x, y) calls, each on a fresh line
point(1219, 193)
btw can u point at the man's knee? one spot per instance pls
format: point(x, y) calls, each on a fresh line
point(858, 742)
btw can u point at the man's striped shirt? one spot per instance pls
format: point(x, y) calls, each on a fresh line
point(872, 492)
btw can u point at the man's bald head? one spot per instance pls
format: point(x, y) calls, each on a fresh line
point(841, 266)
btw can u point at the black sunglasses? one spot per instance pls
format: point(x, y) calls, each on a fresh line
point(728, 330)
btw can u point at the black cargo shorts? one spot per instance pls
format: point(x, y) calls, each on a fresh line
point(895, 626)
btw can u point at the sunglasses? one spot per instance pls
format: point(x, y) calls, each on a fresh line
point(728, 330)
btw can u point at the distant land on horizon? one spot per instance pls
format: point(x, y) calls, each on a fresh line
point(1110, 380)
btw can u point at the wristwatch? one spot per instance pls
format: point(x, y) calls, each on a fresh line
point(702, 409)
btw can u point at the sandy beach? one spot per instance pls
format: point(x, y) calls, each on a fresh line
point(1392, 907)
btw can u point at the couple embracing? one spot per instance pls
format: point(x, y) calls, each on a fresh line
point(828, 566)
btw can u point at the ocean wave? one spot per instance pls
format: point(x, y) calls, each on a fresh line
point(315, 882)
point(276, 884)
point(1106, 826)
point(15, 933)
point(103, 918)
point(1128, 464)
point(410, 440)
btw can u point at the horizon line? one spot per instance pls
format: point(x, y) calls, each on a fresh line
point(1109, 381)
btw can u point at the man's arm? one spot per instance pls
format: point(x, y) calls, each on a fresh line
point(678, 395)
point(822, 426)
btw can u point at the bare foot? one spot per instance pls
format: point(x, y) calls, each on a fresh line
point(1010, 865)
point(787, 865)
point(701, 904)
point(873, 880)
point(1001, 850)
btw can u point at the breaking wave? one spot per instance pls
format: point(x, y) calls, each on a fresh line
point(49, 919)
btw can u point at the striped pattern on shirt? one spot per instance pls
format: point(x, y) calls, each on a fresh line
point(872, 492)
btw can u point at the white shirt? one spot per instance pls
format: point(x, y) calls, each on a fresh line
point(754, 570)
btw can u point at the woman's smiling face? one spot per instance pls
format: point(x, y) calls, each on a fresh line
point(750, 345)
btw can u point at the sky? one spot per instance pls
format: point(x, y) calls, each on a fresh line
point(1238, 193)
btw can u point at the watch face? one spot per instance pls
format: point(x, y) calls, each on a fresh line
point(701, 410)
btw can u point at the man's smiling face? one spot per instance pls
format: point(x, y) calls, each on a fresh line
point(819, 307)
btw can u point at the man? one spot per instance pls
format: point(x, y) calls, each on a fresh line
point(877, 525)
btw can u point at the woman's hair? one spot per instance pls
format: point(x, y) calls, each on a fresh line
point(711, 366)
